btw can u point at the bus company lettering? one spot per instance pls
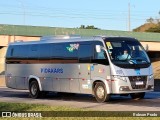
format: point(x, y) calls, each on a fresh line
point(51, 70)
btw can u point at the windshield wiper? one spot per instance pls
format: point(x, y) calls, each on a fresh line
point(138, 59)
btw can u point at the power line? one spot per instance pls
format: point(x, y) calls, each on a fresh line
point(73, 11)
point(68, 13)
point(66, 16)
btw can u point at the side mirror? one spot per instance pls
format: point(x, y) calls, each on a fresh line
point(146, 48)
point(98, 48)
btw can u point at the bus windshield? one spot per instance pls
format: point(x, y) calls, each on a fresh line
point(127, 53)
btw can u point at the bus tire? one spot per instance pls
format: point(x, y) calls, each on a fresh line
point(100, 92)
point(137, 96)
point(34, 89)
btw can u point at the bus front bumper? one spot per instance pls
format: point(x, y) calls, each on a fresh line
point(126, 90)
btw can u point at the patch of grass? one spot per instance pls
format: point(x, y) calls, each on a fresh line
point(33, 107)
point(20, 107)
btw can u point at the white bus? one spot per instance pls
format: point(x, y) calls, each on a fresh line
point(101, 66)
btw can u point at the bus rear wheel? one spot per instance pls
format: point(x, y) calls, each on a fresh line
point(100, 92)
point(34, 89)
point(137, 96)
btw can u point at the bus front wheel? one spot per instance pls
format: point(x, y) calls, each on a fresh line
point(137, 95)
point(100, 92)
point(34, 89)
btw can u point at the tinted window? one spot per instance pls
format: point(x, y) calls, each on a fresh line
point(57, 51)
point(19, 51)
point(98, 55)
point(23, 52)
point(71, 50)
point(85, 52)
point(15, 51)
point(45, 51)
point(101, 57)
point(10, 52)
point(33, 51)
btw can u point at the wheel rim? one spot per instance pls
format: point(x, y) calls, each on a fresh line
point(100, 92)
point(34, 89)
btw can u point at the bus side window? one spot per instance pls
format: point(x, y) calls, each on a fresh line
point(100, 58)
point(71, 51)
point(33, 51)
point(57, 51)
point(12, 50)
point(23, 51)
point(15, 51)
point(100, 55)
point(85, 53)
point(45, 51)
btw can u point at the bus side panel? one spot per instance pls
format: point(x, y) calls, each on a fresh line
point(57, 77)
point(46, 82)
point(71, 72)
point(102, 71)
point(13, 76)
point(68, 78)
point(84, 79)
point(53, 77)
point(10, 80)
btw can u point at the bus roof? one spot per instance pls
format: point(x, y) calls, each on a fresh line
point(65, 38)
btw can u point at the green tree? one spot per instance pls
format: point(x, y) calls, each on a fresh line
point(82, 27)
point(152, 25)
point(88, 27)
point(155, 29)
point(91, 27)
point(150, 20)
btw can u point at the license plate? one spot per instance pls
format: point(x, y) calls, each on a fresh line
point(139, 83)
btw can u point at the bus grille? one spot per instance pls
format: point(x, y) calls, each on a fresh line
point(136, 82)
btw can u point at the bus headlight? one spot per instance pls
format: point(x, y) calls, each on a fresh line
point(120, 78)
point(124, 88)
point(151, 77)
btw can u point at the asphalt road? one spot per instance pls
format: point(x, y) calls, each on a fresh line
point(117, 103)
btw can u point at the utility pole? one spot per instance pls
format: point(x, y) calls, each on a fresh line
point(129, 21)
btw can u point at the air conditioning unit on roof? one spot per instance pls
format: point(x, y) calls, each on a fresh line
point(60, 37)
